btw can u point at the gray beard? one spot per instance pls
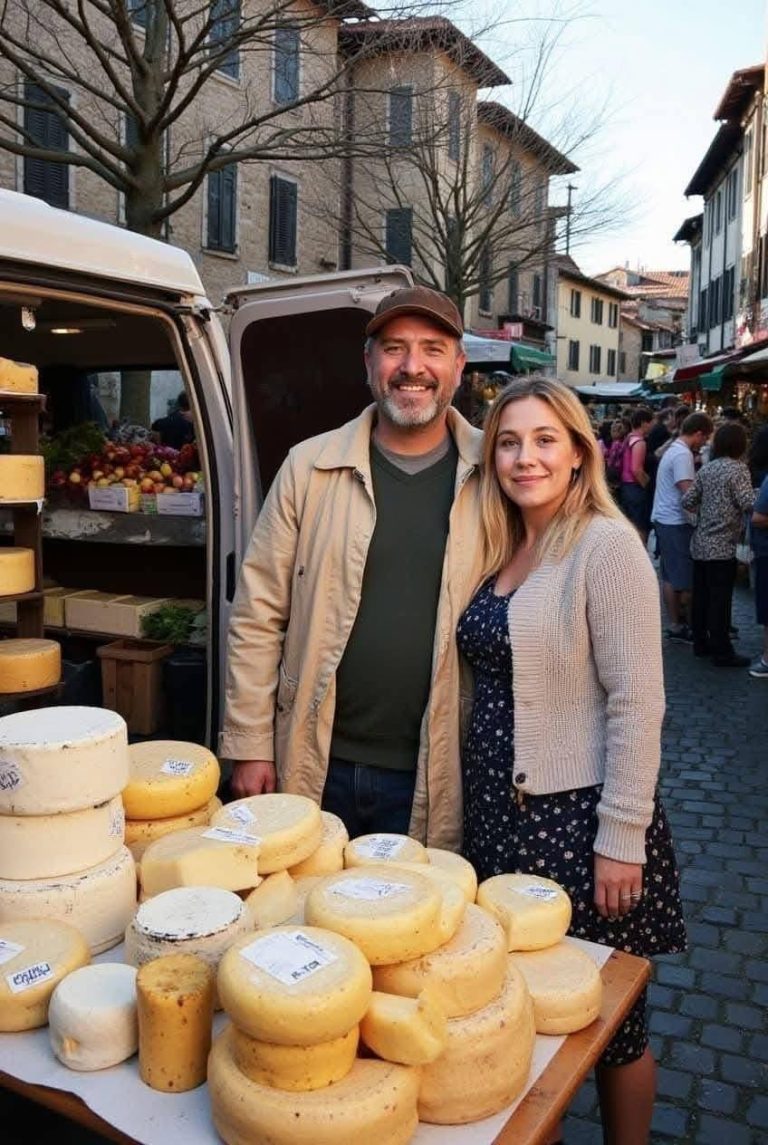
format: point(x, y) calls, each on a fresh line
point(410, 418)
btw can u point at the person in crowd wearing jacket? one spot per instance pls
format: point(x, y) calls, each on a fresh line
point(561, 758)
point(343, 675)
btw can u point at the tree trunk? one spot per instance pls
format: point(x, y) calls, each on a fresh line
point(134, 396)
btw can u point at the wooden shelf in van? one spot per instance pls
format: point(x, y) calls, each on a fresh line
point(11, 402)
point(98, 526)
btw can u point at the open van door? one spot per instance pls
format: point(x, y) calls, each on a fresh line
point(297, 370)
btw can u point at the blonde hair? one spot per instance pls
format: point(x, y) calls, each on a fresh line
point(588, 494)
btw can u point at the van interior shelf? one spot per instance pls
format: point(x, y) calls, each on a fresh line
point(64, 524)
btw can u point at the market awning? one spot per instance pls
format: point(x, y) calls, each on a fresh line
point(529, 358)
point(705, 365)
point(492, 350)
point(611, 391)
point(712, 381)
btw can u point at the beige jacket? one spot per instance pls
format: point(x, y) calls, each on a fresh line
point(296, 602)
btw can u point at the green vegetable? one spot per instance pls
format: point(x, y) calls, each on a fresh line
point(69, 447)
point(175, 623)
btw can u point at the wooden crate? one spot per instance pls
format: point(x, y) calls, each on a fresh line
point(132, 681)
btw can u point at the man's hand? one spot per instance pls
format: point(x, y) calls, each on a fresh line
point(253, 777)
point(618, 886)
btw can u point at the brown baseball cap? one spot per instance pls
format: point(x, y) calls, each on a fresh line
point(417, 300)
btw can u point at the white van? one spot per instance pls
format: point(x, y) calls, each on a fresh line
point(85, 302)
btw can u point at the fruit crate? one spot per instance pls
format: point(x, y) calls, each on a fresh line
point(132, 682)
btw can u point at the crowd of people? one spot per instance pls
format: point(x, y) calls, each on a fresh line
point(698, 487)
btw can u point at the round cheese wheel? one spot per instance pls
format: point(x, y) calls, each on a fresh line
point(302, 884)
point(294, 986)
point(457, 867)
point(297, 1069)
point(27, 665)
point(99, 901)
point(383, 847)
point(22, 477)
point(454, 903)
point(17, 571)
point(169, 778)
point(392, 914)
point(35, 954)
point(565, 985)
point(329, 856)
point(464, 975)
point(486, 1062)
point(289, 827)
point(139, 833)
point(273, 902)
point(375, 1102)
point(535, 912)
point(92, 1017)
point(61, 759)
point(42, 846)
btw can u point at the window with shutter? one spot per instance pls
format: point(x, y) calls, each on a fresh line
point(224, 24)
point(454, 126)
point(400, 116)
point(283, 205)
point(399, 235)
point(286, 64)
point(222, 213)
point(515, 188)
point(43, 178)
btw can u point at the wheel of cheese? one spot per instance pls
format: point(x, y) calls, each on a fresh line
point(43, 846)
point(92, 1017)
point(486, 1062)
point(35, 954)
point(17, 571)
point(169, 778)
point(454, 903)
point(565, 986)
point(288, 827)
point(535, 912)
point(174, 1001)
point(302, 885)
point(17, 377)
point(99, 901)
point(200, 856)
point(295, 986)
point(27, 665)
point(457, 867)
point(273, 901)
point(411, 1031)
point(392, 914)
point(329, 856)
point(22, 477)
point(465, 974)
point(296, 1069)
point(375, 1103)
point(61, 759)
point(139, 833)
point(384, 847)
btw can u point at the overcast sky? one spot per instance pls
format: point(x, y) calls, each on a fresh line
point(652, 72)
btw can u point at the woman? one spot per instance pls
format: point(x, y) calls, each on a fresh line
point(614, 458)
point(562, 754)
point(634, 477)
point(720, 496)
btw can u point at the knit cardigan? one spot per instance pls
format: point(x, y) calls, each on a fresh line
point(588, 683)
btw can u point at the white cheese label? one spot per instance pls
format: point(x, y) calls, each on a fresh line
point(8, 950)
point(243, 814)
point(369, 889)
point(535, 892)
point(229, 835)
point(28, 977)
point(177, 767)
point(290, 956)
point(10, 776)
point(117, 823)
point(380, 847)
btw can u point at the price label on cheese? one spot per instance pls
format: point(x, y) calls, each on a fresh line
point(10, 776)
point(243, 814)
point(380, 846)
point(535, 892)
point(8, 950)
point(230, 835)
point(177, 767)
point(289, 956)
point(369, 889)
point(28, 977)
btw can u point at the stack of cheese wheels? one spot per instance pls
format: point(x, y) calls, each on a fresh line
point(563, 981)
point(62, 854)
point(286, 1070)
point(171, 787)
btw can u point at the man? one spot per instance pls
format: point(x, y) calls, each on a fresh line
point(675, 475)
point(343, 675)
point(178, 428)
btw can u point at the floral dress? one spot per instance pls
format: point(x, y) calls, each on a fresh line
point(552, 835)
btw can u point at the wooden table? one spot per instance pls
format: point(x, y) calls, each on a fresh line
point(624, 977)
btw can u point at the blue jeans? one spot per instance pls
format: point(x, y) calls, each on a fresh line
point(369, 799)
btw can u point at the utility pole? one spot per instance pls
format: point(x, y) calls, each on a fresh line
point(570, 188)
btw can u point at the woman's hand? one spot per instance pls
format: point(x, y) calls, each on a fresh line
point(618, 886)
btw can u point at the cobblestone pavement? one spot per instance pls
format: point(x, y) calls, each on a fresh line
point(709, 1007)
